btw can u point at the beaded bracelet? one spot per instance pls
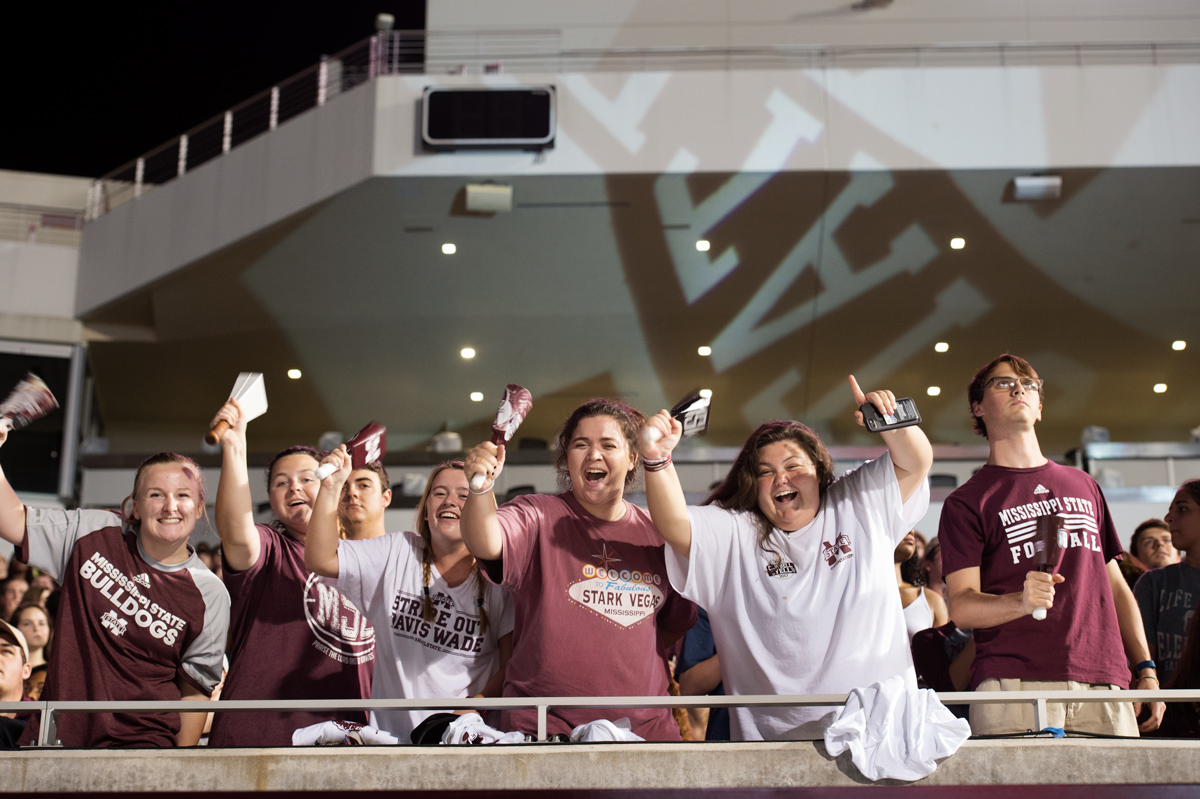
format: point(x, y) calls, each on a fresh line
point(656, 465)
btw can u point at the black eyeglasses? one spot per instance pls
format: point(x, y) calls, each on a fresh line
point(1009, 383)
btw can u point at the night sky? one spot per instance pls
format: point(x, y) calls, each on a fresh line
point(94, 86)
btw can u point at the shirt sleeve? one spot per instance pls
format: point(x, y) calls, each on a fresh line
point(236, 581)
point(875, 485)
point(51, 535)
point(520, 525)
point(203, 659)
point(703, 574)
point(361, 569)
point(960, 532)
point(505, 624)
point(1112, 542)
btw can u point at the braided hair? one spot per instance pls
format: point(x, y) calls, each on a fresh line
point(428, 612)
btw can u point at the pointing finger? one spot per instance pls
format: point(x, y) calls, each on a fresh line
point(859, 397)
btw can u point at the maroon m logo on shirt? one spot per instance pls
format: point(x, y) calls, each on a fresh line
point(838, 551)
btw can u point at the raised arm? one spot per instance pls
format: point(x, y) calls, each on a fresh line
point(12, 510)
point(479, 524)
point(912, 454)
point(321, 542)
point(664, 494)
point(240, 543)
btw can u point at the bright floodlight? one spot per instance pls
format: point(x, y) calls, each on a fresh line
point(706, 393)
point(941, 346)
point(1160, 388)
point(1178, 345)
point(467, 352)
point(703, 245)
point(706, 351)
point(476, 396)
point(449, 249)
point(957, 243)
point(933, 391)
point(294, 374)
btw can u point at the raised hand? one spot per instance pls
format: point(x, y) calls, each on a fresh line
point(883, 400)
point(339, 459)
point(659, 436)
point(483, 465)
point(234, 429)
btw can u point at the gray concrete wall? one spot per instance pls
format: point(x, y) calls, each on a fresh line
point(579, 766)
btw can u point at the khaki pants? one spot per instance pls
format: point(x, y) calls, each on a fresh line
point(1106, 718)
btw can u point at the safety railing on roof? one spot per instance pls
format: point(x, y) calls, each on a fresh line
point(541, 51)
point(50, 710)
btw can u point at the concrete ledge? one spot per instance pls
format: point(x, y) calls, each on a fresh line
point(567, 766)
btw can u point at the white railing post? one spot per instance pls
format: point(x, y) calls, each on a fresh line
point(227, 136)
point(541, 731)
point(183, 144)
point(139, 175)
point(1040, 716)
point(322, 80)
point(89, 211)
point(373, 58)
point(274, 122)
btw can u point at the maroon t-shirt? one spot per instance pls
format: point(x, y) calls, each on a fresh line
point(291, 637)
point(589, 599)
point(989, 522)
point(128, 626)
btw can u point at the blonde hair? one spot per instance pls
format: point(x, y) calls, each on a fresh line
point(190, 468)
point(428, 613)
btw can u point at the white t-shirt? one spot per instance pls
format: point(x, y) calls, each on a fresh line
point(447, 658)
point(824, 620)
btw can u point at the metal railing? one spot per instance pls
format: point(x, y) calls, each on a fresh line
point(1038, 699)
point(541, 51)
point(41, 225)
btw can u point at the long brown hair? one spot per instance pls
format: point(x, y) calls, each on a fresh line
point(739, 490)
point(428, 612)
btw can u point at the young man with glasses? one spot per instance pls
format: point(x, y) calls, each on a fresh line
point(1092, 633)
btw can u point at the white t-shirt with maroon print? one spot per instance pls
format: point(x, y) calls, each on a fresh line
point(447, 658)
point(822, 618)
point(291, 637)
point(127, 627)
point(989, 522)
point(590, 598)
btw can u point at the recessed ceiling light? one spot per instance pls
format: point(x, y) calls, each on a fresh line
point(706, 393)
point(468, 352)
point(1160, 388)
point(294, 374)
point(702, 245)
point(941, 346)
point(1179, 345)
point(957, 243)
point(449, 249)
point(476, 396)
point(706, 351)
point(933, 391)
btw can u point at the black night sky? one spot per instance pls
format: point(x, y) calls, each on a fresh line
point(93, 86)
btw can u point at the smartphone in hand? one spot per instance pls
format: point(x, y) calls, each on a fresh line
point(906, 414)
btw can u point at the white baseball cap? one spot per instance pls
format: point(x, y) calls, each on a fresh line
point(17, 637)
